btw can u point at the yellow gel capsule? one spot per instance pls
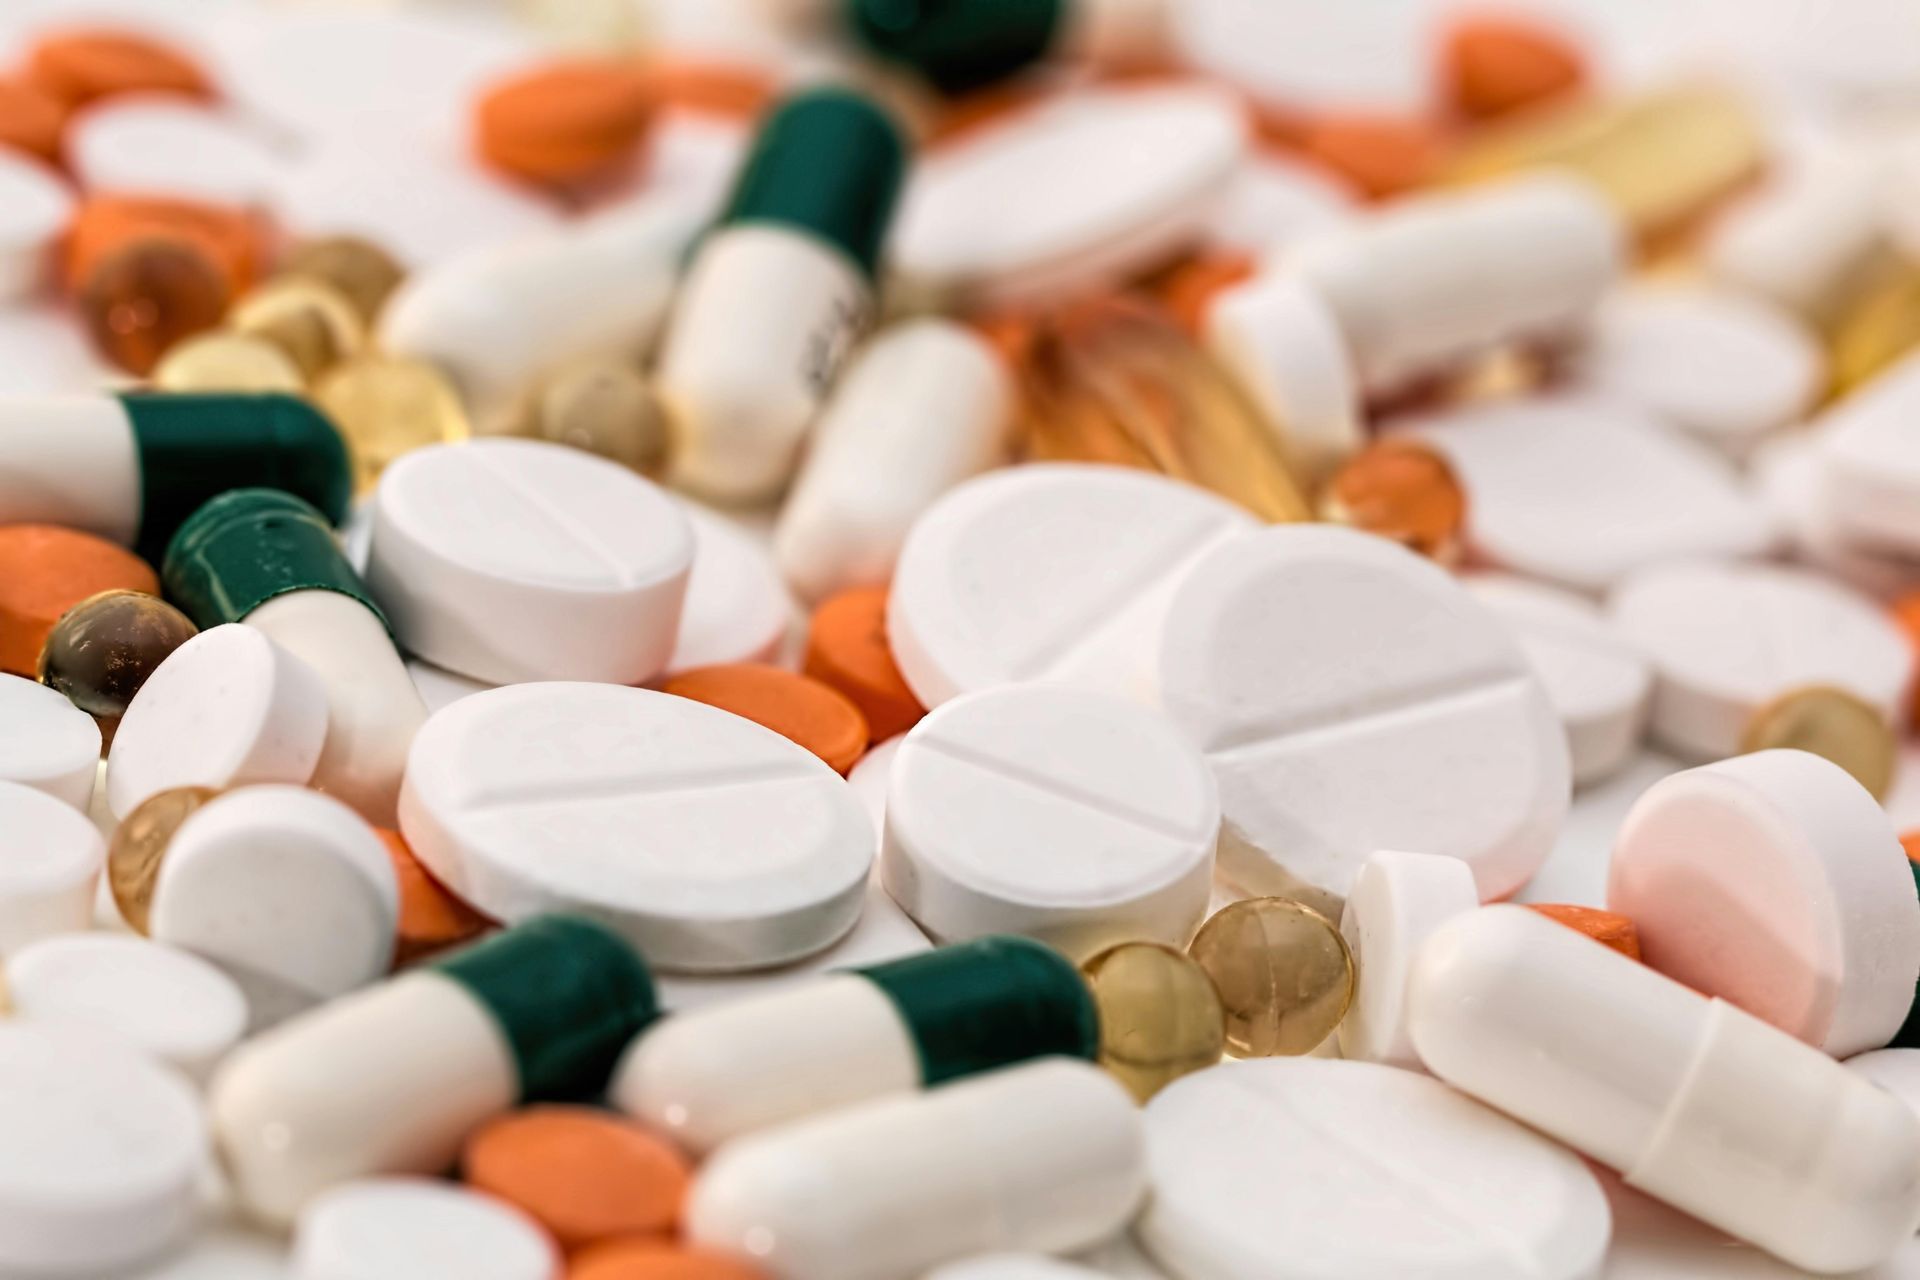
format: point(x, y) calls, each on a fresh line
point(1160, 1017)
point(222, 361)
point(387, 406)
point(310, 320)
point(1876, 329)
point(1831, 723)
point(1284, 974)
point(362, 272)
point(140, 843)
point(604, 407)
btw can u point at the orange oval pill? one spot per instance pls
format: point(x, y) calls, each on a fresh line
point(1190, 288)
point(584, 1175)
point(847, 650)
point(431, 919)
point(1616, 931)
point(86, 64)
point(1494, 65)
point(1381, 156)
point(710, 88)
point(651, 1260)
point(819, 718)
point(103, 225)
point(46, 570)
point(1400, 489)
point(565, 121)
point(31, 119)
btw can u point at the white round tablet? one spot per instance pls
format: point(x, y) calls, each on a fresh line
point(872, 775)
point(1311, 1169)
point(50, 860)
point(1397, 900)
point(1087, 190)
point(34, 207)
point(227, 708)
point(712, 843)
point(1789, 476)
point(289, 891)
point(1599, 684)
point(516, 560)
point(737, 608)
point(101, 1154)
point(1047, 572)
point(1351, 697)
point(1073, 817)
point(1725, 639)
point(169, 147)
point(1895, 1070)
point(417, 1229)
point(1013, 1266)
point(1775, 882)
point(163, 1001)
point(46, 742)
point(1872, 470)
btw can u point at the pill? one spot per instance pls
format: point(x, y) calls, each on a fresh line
point(1870, 480)
point(146, 298)
point(515, 560)
point(1275, 201)
point(1726, 639)
point(1876, 331)
point(32, 120)
point(536, 1013)
point(312, 322)
point(513, 801)
point(162, 1001)
point(1789, 477)
point(50, 744)
point(652, 1260)
point(847, 650)
point(104, 1146)
point(1046, 1156)
point(430, 919)
point(1352, 1168)
point(1304, 59)
point(741, 380)
point(1775, 882)
point(387, 405)
point(364, 273)
point(380, 1227)
point(1160, 1016)
point(173, 148)
point(104, 224)
point(1831, 723)
point(872, 776)
point(37, 206)
point(1283, 971)
point(1352, 744)
point(83, 64)
point(1379, 156)
point(139, 845)
point(737, 609)
point(437, 688)
point(1605, 927)
point(131, 468)
point(1895, 1070)
point(1012, 1266)
point(1189, 288)
point(227, 708)
point(1695, 1102)
point(218, 361)
point(1398, 900)
point(1285, 348)
point(565, 121)
point(1497, 64)
point(712, 1075)
point(1403, 490)
point(1058, 573)
point(801, 709)
point(268, 559)
point(50, 860)
point(604, 406)
point(583, 1175)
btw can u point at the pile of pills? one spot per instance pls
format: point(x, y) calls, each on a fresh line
point(854, 640)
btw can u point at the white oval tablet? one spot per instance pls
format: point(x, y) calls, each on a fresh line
point(101, 1154)
point(1352, 697)
point(1048, 572)
point(165, 146)
point(1724, 640)
point(737, 608)
point(163, 1001)
point(1295, 56)
point(1775, 882)
point(1582, 492)
point(516, 560)
point(1872, 468)
point(46, 742)
point(712, 843)
point(50, 860)
point(1073, 817)
point(1310, 1169)
point(417, 1229)
point(289, 891)
point(1598, 684)
point(1086, 190)
point(34, 207)
point(1789, 476)
point(227, 708)
point(1397, 900)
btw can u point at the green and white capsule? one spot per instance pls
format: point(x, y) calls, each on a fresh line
point(131, 467)
point(269, 560)
point(958, 46)
point(391, 1080)
point(718, 1072)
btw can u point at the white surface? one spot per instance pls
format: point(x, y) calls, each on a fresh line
point(1309, 1169)
point(526, 799)
point(736, 608)
point(47, 743)
point(227, 708)
point(1872, 468)
point(70, 460)
point(1398, 899)
point(50, 861)
point(34, 207)
point(416, 1229)
point(1280, 342)
point(165, 146)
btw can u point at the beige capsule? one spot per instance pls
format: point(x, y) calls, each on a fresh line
point(140, 843)
point(1284, 974)
point(1831, 723)
point(1160, 1017)
point(387, 406)
point(364, 273)
point(226, 361)
point(310, 320)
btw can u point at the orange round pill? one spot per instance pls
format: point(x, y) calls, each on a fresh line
point(103, 225)
point(31, 119)
point(565, 121)
point(84, 65)
point(1615, 931)
point(431, 919)
point(584, 1175)
point(1381, 156)
point(1190, 288)
point(44, 571)
point(651, 1260)
point(819, 718)
point(847, 650)
point(1495, 65)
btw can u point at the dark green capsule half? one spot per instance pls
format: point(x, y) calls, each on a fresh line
point(960, 45)
point(249, 545)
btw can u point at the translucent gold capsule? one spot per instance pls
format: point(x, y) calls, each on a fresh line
point(388, 405)
point(1403, 490)
point(1876, 329)
point(139, 844)
point(1284, 974)
point(363, 273)
point(604, 407)
point(310, 320)
point(102, 650)
point(149, 295)
point(1833, 723)
point(223, 361)
point(1160, 1017)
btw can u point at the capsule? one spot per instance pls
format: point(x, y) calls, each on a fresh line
point(1694, 1101)
point(776, 294)
point(131, 467)
point(1047, 1157)
point(958, 46)
point(268, 559)
point(392, 1079)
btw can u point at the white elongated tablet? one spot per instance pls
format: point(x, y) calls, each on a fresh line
point(1775, 882)
point(288, 891)
point(1725, 639)
point(1872, 468)
point(736, 609)
point(1397, 900)
point(1280, 342)
point(1073, 817)
point(389, 1228)
point(169, 147)
point(1084, 191)
point(47, 743)
point(1311, 1169)
point(1401, 716)
point(1895, 1070)
point(515, 560)
point(1582, 491)
point(161, 1000)
point(1294, 56)
point(1013, 1266)
point(1273, 202)
point(1726, 367)
point(227, 708)
point(712, 843)
point(34, 206)
point(1789, 475)
point(50, 860)
point(103, 1148)
point(1049, 572)
point(1599, 684)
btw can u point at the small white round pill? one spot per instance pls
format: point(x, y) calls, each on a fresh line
point(46, 742)
point(416, 1229)
point(50, 861)
point(34, 207)
point(1397, 900)
point(169, 147)
point(737, 608)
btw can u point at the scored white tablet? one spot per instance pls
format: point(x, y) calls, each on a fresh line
point(48, 743)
